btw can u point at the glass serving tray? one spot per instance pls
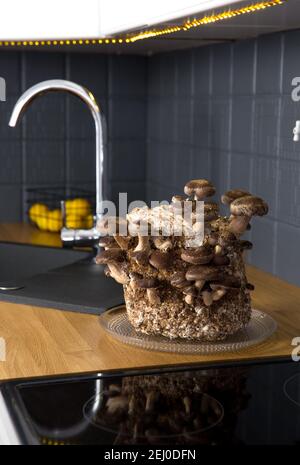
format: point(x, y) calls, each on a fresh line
point(116, 323)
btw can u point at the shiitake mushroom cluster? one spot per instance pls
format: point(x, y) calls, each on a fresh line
point(173, 408)
point(201, 275)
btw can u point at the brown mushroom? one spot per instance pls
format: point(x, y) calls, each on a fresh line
point(116, 403)
point(178, 199)
point(108, 242)
point(178, 280)
point(122, 241)
point(140, 257)
point(160, 260)
point(153, 296)
point(221, 260)
point(218, 294)
point(199, 284)
point(150, 284)
point(198, 256)
point(189, 290)
point(245, 245)
point(200, 188)
point(189, 299)
point(118, 271)
point(207, 273)
point(250, 287)
point(232, 195)
point(249, 206)
point(163, 243)
point(106, 256)
point(243, 209)
point(143, 244)
point(226, 282)
point(207, 298)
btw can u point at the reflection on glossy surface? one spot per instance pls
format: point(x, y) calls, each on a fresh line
point(248, 404)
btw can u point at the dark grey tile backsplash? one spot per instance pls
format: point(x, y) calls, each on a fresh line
point(228, 115)
point(54, 144)
point(223, 112)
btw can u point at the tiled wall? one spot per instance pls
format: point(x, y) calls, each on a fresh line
point(54, 145)
point(225, 112)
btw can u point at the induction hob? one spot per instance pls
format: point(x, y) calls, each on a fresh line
point(251, 403)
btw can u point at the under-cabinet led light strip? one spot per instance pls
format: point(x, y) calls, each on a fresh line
point(147, 34)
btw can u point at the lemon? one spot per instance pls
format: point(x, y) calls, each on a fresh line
point(81, 207)
point(74, 221)
point(55, 220)
point(89, 221)
point(42, 222)
point(69, 208)
point(36, 211)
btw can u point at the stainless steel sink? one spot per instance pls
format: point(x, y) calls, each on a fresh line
point(58, 278)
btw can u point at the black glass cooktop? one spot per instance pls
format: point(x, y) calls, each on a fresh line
point(228, 404)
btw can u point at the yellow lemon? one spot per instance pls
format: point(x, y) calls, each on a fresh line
point(69, 207)
point(74, 221)
point(42, 222)
point(55, 220)
point(89, 221)
point(81, 207)
point(36, 211)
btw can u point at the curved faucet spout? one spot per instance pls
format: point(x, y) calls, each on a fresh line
point(87, 97)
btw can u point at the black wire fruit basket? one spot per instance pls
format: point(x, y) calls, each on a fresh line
point(51, 208)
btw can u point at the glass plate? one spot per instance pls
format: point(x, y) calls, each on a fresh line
point(116, 323)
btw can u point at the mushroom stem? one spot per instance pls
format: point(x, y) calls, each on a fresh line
point(207, 298)
point(118, 273)
point(122, 241)
point(189, 299)
point(153, 296)
point(143, 244)
point(238, 224)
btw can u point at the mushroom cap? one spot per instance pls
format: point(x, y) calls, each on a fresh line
point(160, 260)
point(140, 257)
point(195, 273)
point(178, 279)
point(199, 256)
point(249, 205)
point(200, 187)
point(232, 195)
point(108, 241)
point(227, 282)
point(245, 245)
point(145, 283)
point(178, 199)
point(110, 255)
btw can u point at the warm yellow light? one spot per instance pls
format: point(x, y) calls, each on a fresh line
point(205, 20)
point(147, 34)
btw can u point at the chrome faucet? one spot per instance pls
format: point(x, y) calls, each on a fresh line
point(296, 132)
point(72, 236)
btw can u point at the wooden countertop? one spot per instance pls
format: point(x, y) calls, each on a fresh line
point(43, 341)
